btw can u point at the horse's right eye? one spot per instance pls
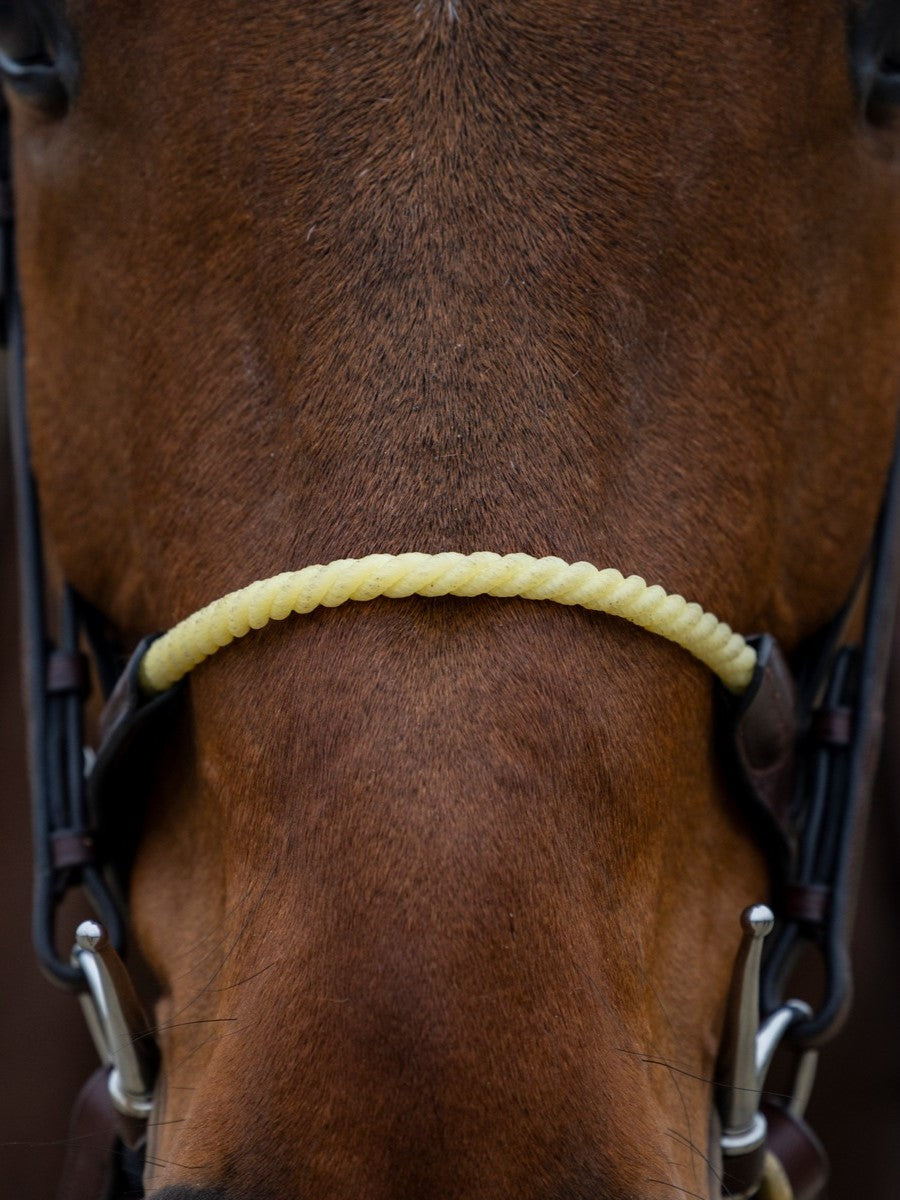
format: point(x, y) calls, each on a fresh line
point(36, 54)
point(884, 98)
point(875, 59)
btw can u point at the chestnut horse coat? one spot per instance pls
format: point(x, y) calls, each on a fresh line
point(441, 896)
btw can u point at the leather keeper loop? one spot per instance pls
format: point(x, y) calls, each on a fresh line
point(807, 902)
point(67, 673)
point(72, 848)
point(833, 726)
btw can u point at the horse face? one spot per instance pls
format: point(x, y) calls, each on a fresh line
point(442, 896)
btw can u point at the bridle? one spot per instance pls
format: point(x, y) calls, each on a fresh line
point(799, 747)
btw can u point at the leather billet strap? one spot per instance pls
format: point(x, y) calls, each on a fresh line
point(791, 1153)
point(103, 1159)
point(761, 732)
point(798, 1152)
point(133, 727)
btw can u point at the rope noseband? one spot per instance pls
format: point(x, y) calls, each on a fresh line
point(484, 573)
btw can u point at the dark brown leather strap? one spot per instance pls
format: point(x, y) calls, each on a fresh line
point(741, 1173)
point(105, 1149)
point(67, 673)
point(807, 902)
point(72, 848)
point(765, 732)
point(799, 1151)
point(833, 726)
point(760, 738)
point(88, 1172)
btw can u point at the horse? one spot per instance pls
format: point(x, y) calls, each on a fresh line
point(440, 896)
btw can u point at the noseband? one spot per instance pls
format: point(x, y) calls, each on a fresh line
point(398, 576)
point(799, 748)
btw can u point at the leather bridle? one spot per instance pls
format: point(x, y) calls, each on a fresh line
point(799, 746)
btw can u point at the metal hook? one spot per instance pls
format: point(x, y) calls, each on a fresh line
point(117, 1022)
point(748, 1049)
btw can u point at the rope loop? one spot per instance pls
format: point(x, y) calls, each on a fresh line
point(484, 573)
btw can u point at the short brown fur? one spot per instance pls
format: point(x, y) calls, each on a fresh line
point(443, 895)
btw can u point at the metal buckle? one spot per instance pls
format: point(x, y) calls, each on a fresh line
point(748, 1049)
point(117, 1022)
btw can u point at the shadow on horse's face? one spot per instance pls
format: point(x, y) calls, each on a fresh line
point(442, 895)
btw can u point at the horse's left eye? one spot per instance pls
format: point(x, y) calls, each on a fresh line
point(37, 61)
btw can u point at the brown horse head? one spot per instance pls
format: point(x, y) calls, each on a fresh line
point(442, 895)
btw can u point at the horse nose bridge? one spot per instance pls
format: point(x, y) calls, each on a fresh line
point(395, 1095)
point(421, 962)
point(442, 1065)
point(418, 745)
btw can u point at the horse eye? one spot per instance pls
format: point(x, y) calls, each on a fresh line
point(874, 43)
point(883, 100)
point(36, 53)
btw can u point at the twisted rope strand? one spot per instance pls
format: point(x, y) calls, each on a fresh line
point(484, 573)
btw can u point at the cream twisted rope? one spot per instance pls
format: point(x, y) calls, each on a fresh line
point(171, 656)
point(775, 1182)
